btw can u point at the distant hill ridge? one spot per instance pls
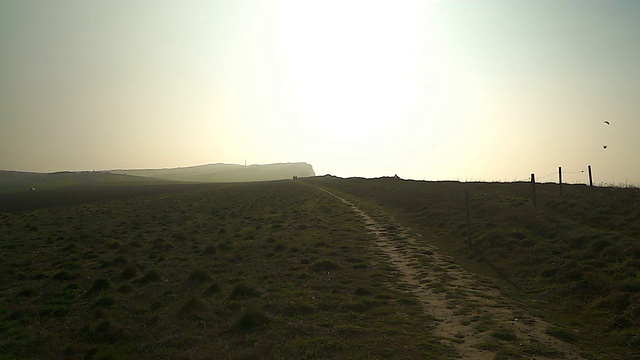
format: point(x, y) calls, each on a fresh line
point(225, 172)
point(23, 181)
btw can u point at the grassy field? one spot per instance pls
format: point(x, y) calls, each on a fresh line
point(285, 270)
point(575, 260)
point(278, 270)
point(16, 181)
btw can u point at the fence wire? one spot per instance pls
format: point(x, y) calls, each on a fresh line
point(556, 173)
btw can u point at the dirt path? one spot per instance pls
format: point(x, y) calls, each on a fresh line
point(471, 316)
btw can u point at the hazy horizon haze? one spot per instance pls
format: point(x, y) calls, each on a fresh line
point(435, 90)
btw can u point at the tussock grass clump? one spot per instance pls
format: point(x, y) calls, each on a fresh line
point(71, 351)
point(107, 355)
point(209, 250)
point(125, 288)
point(540, 350)
point(361, 306)
point(251, 318)
point(504, 334)
point(150, 276)
point(199, 276)
point(212, 289)
point(158, 244)
point(117, 261)
point(561, 333)
point(63, 275)
point(99, 285)
point(179, 237)
point(72, 286)
point(107, 331)
point(324, 265)
point(16, 315)
point(243, 290)
point(39, 276)
point(158, 240)
point(56, 310)
point(71, 248)
point(101, 314)
point(135, 244)
point(129, 272)
point(193, 307)
point(27, 292)
point(104, 302)
point(302, 307)
point(225, 246)
point(361, 291)
point(155, 305)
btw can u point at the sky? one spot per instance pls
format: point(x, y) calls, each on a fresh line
point(478, 90)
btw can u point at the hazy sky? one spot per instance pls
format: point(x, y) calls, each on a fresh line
point(482, 90)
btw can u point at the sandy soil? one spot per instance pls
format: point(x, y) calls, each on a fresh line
point(471, 316)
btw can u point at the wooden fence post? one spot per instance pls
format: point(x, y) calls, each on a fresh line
point(533, 187)
point(560, 178)
point(590, 177)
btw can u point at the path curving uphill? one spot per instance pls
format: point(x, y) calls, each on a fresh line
point(471, 316)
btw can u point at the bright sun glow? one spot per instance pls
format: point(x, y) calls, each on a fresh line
point(348, 66)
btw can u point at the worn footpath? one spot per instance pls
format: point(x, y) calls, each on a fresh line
point(470, 315)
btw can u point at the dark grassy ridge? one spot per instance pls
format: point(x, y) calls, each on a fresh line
point(80, 194)
point(16, 181)
point(575, 260)
point(268, 270)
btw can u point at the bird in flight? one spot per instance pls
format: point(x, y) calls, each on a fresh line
point(606, 122)
point(604, 146)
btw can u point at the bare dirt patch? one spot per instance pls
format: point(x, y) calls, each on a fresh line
point(472, 316)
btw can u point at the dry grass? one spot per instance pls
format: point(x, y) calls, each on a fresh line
point(574, 260)
point(267, 270)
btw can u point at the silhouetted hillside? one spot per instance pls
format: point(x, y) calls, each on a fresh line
point(226, 172)
point(11, 181)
